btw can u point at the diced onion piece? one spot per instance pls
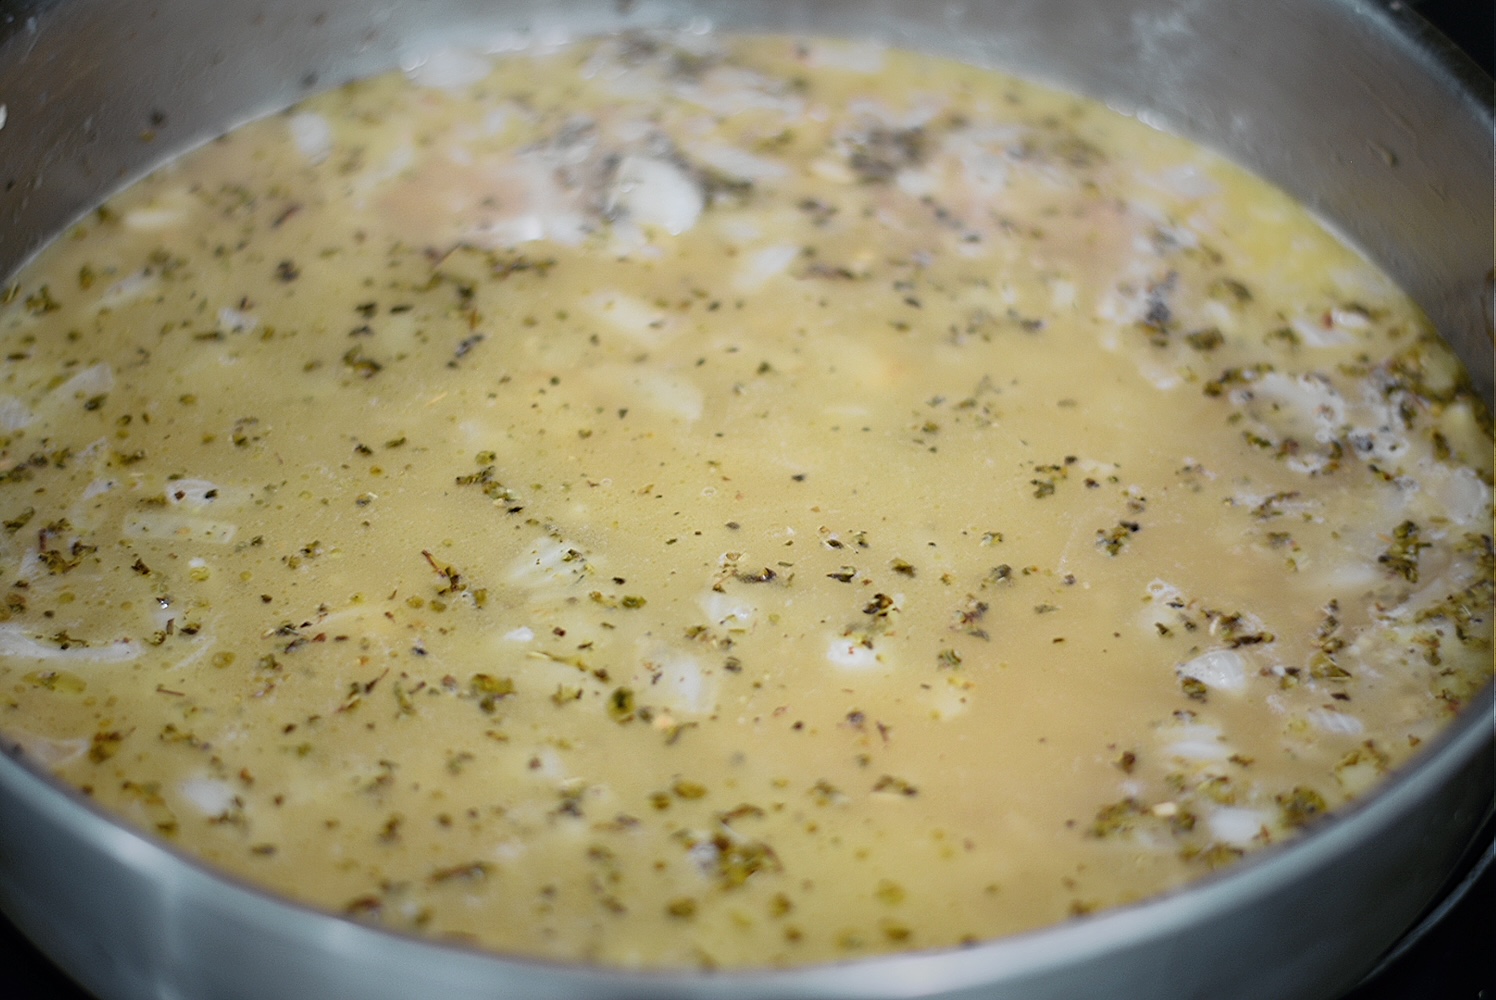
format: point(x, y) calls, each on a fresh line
point(1222, 669)
point(657, 193)
point(1236, 826)
point(213, 798)
point(851, 654)
point(1336, 722)
point(312, 134)
point(727, 611)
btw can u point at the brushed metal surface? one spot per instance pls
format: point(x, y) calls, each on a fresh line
point(1346, 104)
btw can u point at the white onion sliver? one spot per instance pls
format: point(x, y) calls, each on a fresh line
point(179, 528)
point(94, 380)
point(14, 642)
point(764, 264)
point(14, 414)
point(739, 163)
point(48, 752)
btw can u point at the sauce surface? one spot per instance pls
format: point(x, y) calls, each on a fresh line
point(725, 502)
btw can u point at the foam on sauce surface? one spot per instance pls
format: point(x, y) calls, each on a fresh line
point(726, 502)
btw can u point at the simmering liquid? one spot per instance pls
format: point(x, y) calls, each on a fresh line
point(698, 501)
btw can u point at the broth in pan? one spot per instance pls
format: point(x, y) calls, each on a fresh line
point(706, 501)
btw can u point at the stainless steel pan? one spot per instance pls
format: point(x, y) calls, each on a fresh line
point(1352, 106)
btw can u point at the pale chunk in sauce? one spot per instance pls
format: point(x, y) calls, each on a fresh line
point(725, 502)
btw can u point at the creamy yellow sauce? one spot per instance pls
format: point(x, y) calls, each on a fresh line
point(710, 502)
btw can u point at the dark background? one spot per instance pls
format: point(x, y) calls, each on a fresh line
point(1470, 23)
point(1455, 959)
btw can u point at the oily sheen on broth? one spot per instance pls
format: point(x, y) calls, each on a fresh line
point(706, 501)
